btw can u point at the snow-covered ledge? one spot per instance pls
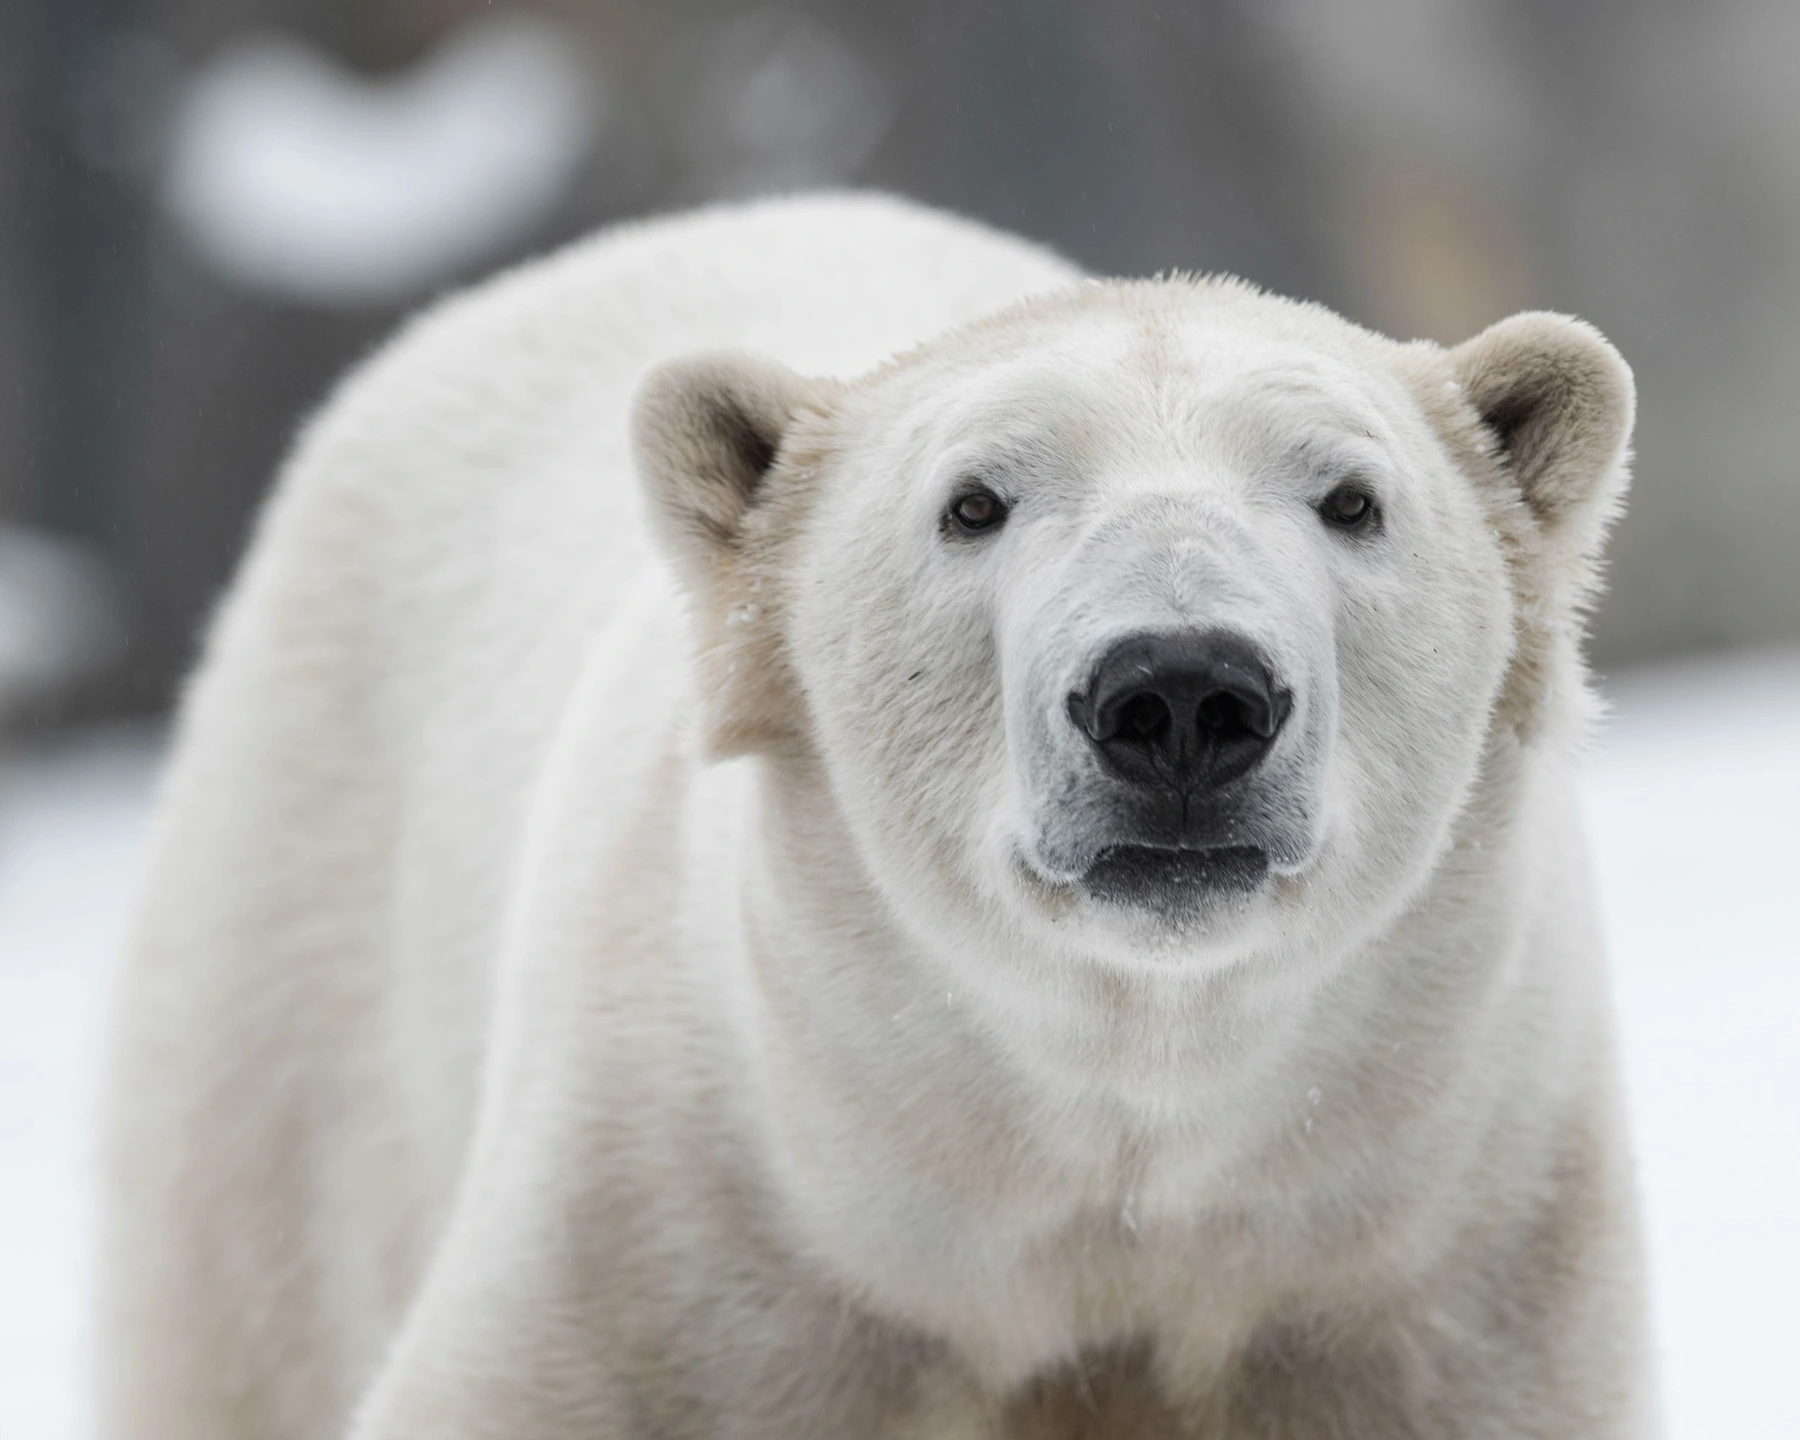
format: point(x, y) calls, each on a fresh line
point(294, 177)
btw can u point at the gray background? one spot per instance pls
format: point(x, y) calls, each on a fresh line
point(1423, 167)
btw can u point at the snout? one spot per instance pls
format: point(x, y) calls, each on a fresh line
point(1182, 710)
point(1178, 719)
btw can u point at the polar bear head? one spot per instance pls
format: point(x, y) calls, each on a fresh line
point(1161, 622)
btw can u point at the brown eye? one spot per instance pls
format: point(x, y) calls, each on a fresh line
point(1348, 508)
point(977, 510)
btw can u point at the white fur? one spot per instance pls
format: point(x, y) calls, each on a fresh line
point(525, 1038)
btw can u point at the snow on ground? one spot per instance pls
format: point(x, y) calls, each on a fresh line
point(71, 825)
point(1690, 795)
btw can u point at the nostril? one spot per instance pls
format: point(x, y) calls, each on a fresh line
point(1222, 716)
point(1143, 717)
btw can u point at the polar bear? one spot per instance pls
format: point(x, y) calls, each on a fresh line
point(805, 823)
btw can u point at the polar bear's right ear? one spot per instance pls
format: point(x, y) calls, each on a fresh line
point(708, 432)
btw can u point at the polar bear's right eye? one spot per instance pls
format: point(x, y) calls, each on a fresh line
point(1350, 507)
point(976, 510)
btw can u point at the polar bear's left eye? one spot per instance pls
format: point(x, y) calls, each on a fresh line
point(976, 510)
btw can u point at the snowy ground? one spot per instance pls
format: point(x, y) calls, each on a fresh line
point(1691, 796)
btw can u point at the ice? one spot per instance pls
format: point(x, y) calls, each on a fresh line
point(1691, 794)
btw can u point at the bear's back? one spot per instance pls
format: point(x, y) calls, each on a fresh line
point(488, 448)
point(488, 444)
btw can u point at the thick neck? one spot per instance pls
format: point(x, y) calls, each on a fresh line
point(874, 1032)
point(1028, 1175)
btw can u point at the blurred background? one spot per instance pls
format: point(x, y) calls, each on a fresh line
point(209, 208)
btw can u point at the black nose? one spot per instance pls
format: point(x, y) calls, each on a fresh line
point(1182, 709)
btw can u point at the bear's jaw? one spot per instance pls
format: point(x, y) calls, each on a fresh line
point(1175, 879)
point(1126, 875)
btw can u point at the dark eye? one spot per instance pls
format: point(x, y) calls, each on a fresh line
point(1349, 507)
point(977, 510)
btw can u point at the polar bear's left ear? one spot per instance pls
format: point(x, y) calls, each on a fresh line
point(1558, 401)
point(1555, 404)
point(708, 433)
